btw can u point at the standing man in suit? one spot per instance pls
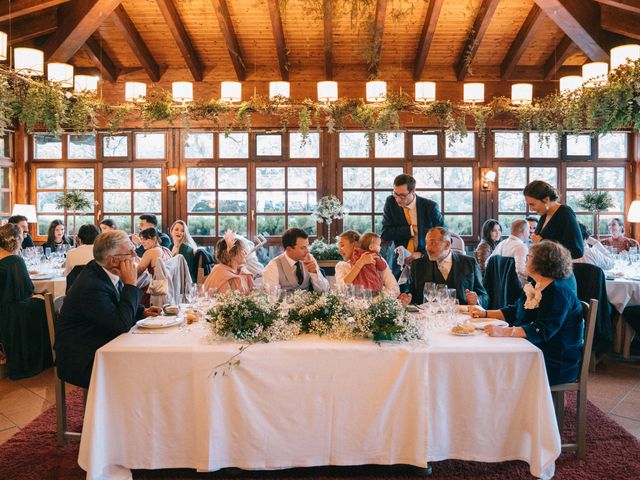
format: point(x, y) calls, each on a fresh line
point(442, 266)
point(407, 218)
point(102, 303)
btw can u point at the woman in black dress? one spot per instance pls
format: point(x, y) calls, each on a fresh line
point(56, 236)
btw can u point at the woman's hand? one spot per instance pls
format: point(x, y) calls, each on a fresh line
point(476, 311)
point(405, 298)
point(535, 238)
point(366, 259)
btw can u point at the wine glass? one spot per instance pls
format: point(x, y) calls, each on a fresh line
point(191, 293)
point(428, 293)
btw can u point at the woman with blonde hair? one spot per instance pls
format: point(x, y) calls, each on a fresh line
point(184, 245)
point(230, 273)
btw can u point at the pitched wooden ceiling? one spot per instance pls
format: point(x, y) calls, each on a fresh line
point(310, 40)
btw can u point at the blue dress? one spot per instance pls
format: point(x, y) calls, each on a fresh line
point(556, 327)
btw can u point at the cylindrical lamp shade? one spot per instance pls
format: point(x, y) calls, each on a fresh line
point(634, 212)
point(624, 53)
point(60, 73)
point(3, 46)
point(570, 83)
point(231, 91)
point(376, 91)
point(521, 93)
point(25, 210)
point(135, 91)
point(28, 61)
point(425, 91)
point(182, 92)
point(279, 89)
point(327, 91)
point(474, 92)
point(595, 73)
point(85, 83)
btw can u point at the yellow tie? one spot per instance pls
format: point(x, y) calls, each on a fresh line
point(410, 246)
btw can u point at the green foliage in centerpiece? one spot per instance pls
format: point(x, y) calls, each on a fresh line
point(322, 250)
point(387, 319)
point(325, 314)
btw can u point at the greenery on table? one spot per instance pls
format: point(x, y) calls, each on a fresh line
point(387, 319)
point(74, 201)
point(322, 250)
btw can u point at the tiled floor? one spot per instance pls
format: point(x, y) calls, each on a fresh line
point(614, 388)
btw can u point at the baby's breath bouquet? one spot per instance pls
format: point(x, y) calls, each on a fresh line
point(327, 210)
point(387, 319)
point(325, 314)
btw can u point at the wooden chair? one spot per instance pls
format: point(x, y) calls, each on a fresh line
point(589, 314)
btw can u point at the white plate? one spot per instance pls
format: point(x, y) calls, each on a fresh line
point(497, 323)
point(158, 322)
point(461, 334)
point(41, 276)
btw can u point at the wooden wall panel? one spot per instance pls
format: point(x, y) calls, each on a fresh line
point(304, 36)
point(543, 45)
point(402, 33)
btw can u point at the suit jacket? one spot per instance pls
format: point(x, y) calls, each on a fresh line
point(464, 274)
point(27, 242)
point(501, 282)
point(93, 314)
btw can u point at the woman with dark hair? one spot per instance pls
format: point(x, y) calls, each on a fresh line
point(557, 222)
point(107, 224)
point(617, 239)
point(548, 313)
point(152, 250)
point(491, 235)
point(56, 236)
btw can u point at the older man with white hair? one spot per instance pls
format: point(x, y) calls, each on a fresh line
point(516, 246)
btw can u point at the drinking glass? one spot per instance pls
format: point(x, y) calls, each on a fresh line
point(191, 293)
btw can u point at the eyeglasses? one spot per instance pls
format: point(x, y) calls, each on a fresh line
point(401, 195)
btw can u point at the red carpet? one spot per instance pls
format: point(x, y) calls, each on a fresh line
point(612, 454)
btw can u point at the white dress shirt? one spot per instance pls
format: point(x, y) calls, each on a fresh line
point(113, 277)
point(516, 248)
point(596, 254)
point(80, 255)
point(390, 286)
point(271, 277)
point(445, 265)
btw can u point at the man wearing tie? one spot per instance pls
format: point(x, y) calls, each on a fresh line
point(407, 218)
point(295, 269)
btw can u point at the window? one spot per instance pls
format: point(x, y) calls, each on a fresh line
point(47, 147)
point(304, 148)
point(268, 145)
point(115, 146)
point(198, 145)
point(465, 147)
point(543, 145)
point(509, 145)
point(6, 169)
point(425, 144)
point(234, 145)
point(353, 145)
point(577, 147)
point(81, 147)
point(150, 146)
point(389, 145)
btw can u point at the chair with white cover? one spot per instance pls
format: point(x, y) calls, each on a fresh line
point(457, 243)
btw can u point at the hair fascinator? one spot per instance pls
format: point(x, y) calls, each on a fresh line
point(230, 239)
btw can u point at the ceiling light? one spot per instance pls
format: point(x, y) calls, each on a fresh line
point(474, 92)
point(85, 83)
point(28, 61)
point(623, 54)
point(327, 91)
point(182, 92)
point(278, 89)
point(3, 46)
point(231, 91)
point(570, 83)
point(60, 73)
point(376, 91)
point(595, 73)
point(425, 91)
point(521, 93)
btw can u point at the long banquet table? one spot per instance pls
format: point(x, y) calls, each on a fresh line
point(153, 404)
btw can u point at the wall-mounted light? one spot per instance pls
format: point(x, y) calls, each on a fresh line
point(425, 91)
point(85, 83)
point(172, 179)
point(135, 91)
point(570, 83)
point(327, 91)
point(521, 93)
point(488, 177)
point(376, 91)
point(595, 73)
point(473, 92)
point(230, 91)
point(60, 73)
point(25, 210)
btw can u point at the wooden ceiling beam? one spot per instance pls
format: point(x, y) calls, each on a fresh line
point(524, 39)
point(179, 33)
point(230, 38)
point(19, 8)
point(278, 35)
point(623, 22)
point(327, 12)
point(564, 50)
point(100, 59)
point(25, 29)
point(578, 19)
point(628, 5)
point(378, 31)
point(480, 26)
point(426, 37)
point(130, 33)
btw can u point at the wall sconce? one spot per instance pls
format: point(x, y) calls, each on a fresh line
point(488, 177)
point(172, 179)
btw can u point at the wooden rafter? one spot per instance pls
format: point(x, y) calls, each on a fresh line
point(628, 5)
point(278, 35)
point(378, 31)
point(230, 38)
point(623, 22)
point(25, 29)
point(100, 59)
point(426, 37)
point(523, 40)
point(179, 33)
point(134, 40)
point(328, 39)
point(480, 26)
point(578, 19)
point(564, 50)
point(19, 8)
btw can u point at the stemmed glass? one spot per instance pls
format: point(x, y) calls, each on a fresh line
point(191, 293)
point(429, 294)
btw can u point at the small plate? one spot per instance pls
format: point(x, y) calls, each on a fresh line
point(462, 334)
point(496, 322)
point(42, 276)
point(158, 322)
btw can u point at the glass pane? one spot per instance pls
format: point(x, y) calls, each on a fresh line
point(460, 224)
point(270, 225)
point(436, 196)
point(356, 177)
point(613, 145)
point(232, 178)
point(47, 146)
point(147, 178)
point(384, 176)
point(512, 177)
point(302, 201)
point(457, 177)
point(543, 145)
point(115, 146)
point(47, 202)
point(509, 145)
point(149, 145)
point(305, 222)
point(201, 178)
point(198, 145)
point(5, 146)
point(580, 177)
point(359, 223)
point(50, 178)
point(116, 202)
point(611, 177)
point(579, 145)
point(147, 202)
point(511, 202)
point(465, 148)
point(428, 177)
point(377, 220)
point(44, 221)
point(82, 146)
point(354, 145)
point(201, 202)
point(458, 201)
point(425, 144)
point(123, 222)
point(618, 201)
point(506, 221)
point(80, 178)
point(202, 225)
point(573, 198)
point(379, 199)
point(234, 145)
point(270, 177)
point(270, 201)
point(4, 177)
point(547, 174)
point(232, 202)
point(269, 146)
point(302, 177)
point(310, 148)
point(237, 224)
point(358, 201)
point(389, 145)
point(119, 178)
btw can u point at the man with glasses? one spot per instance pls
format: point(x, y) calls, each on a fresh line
point(407, 219)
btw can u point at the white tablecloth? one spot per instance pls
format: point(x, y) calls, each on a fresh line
point(623, 292)
point(312, 402)
point(55, 285)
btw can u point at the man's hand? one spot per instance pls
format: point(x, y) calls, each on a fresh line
point(412, 257)
point(128, 272)
point(476, 311)
point(310, 263)
point(405, 298)
point(472, 297)
point(152, 312)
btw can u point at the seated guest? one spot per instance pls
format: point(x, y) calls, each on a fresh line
point(295, 269)
point(594, 252)
point(548, 314)
point(184, 245)
point(83, 253)
point(152, 250)
point(148, 220)
point(617, 239)
point(27, 241)
point(533, 224)
point(107, 224)
point(102, 303)
point(368, 277)
point(23, 320)
point(55, 237)
point(347, 270)
point(516, 246)
point(229, 273)
point(491, 235)
point(442, 266)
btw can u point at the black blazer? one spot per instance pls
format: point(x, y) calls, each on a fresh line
point(563, 228)
point(464, 274)
point(93, 314)
point(27, 242)
point(501, 282)
point(396, 229)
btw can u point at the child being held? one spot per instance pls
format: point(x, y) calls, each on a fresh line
point(368, 276)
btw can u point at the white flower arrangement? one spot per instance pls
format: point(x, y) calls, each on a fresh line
point(534, 296)
point(329, 209)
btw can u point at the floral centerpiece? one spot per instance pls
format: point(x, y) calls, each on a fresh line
point(387, 319)
point(74, 201)
point(596, 201)
point(327, 210)
point(322, 250)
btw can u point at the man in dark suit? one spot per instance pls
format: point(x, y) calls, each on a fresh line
point(148, 220)
point(407, 219)
point(442, 266)
point(21, 220)
point(102, 303)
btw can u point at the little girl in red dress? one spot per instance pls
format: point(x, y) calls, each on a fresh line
point(368, 277)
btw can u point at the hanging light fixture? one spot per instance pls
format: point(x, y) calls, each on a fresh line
point(521, 93)
point(327, 91)
point(620, 55)
point(474, 92)
point(182, 92)
point(425, 91)
point(60, 73)
point(278, 89)
point(3, 46)
point(376, 91)
point(570, 83)
point(230, 91)
point(595, 73)
point(85, 83)
point(135, 91)
point(28, 61)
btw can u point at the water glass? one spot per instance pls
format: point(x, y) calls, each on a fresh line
point(191, 293)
